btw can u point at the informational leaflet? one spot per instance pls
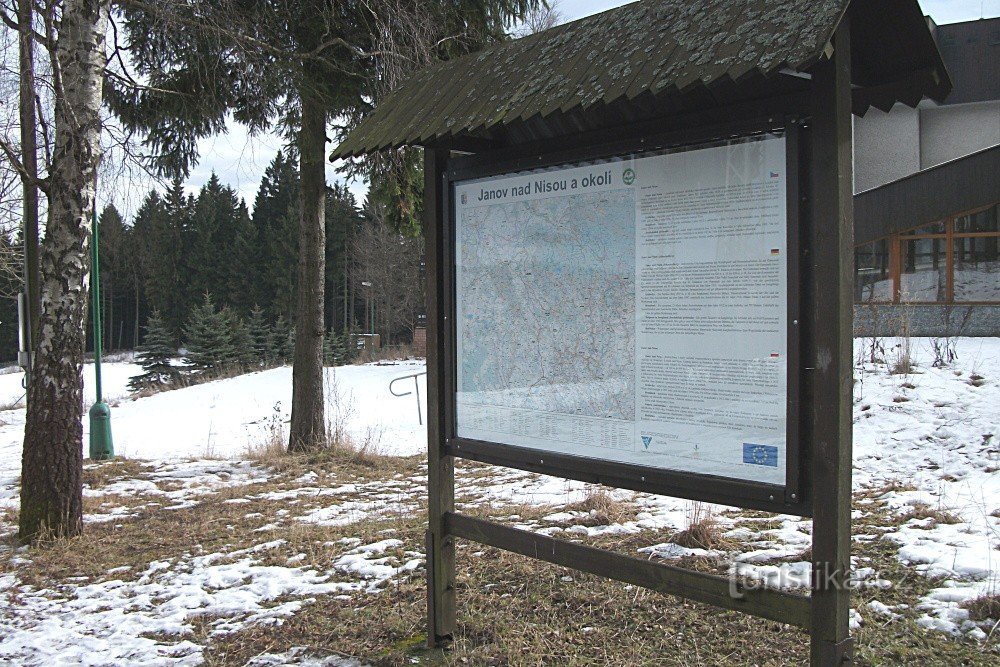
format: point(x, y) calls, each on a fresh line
point(632, 311)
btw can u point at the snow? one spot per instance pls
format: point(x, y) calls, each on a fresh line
point(109, 622)
point(927, 442)
point(225, 418)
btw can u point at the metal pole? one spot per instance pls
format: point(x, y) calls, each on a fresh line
point(101, 446)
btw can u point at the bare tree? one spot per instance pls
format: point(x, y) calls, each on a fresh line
point(385, 270)
point(541, 18)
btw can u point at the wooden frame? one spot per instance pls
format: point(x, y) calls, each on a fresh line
point(785, 498)
point(896, 259)
point(823, 337)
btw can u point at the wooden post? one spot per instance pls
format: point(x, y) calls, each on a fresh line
point(440, 467)
point(832, 234)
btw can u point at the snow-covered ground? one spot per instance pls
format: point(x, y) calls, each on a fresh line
point(226, 418)
point(926, 443)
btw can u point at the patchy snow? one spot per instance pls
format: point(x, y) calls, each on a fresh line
point(112, 621)
point(937, 430)
point(928, 440)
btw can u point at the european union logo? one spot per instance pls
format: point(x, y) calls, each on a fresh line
point(760, 455)
point(647, 441)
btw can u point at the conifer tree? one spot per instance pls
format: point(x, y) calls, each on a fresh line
point(209, 338)
point(261, 336)
point(283, 339)
point(275, 218)
point(334, 349)
point(155, 355)
point(295, 64)
point(243, 353)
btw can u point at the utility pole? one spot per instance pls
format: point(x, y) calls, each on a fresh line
point(101, 446)
point(29, 181)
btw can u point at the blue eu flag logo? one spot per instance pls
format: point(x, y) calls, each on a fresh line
point(760, 455)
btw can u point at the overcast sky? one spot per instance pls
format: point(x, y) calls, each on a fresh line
point(240, 160)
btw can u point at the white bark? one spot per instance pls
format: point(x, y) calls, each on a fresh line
point(53, 442)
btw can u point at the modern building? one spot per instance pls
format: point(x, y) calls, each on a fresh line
point(927, 184)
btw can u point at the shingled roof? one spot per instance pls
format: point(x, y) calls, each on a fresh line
point(652, 58)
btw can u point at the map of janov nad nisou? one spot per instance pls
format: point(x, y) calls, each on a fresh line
point(576, 332)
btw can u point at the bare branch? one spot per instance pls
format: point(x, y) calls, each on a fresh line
point(11, 155)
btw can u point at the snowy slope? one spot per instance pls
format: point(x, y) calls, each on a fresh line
point(226, 417)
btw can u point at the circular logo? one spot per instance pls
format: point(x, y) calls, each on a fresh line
point(628, 176)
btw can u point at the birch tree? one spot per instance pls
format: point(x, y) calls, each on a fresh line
point(52, 462)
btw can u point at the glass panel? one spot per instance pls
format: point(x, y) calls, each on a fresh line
point(872, 282)
point(933, 228)
point(924, 271)
point(977, 269)
point(983, 221)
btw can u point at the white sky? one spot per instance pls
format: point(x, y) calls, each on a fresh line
point(240, 160)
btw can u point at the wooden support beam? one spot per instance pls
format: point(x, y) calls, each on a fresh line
point(829, 353)
point(689, 584)
point(440, 466)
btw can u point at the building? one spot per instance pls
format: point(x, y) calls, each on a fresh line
point(927, 184)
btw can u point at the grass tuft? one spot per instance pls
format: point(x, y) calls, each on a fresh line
point(983, 608)
point(602, 508)
point(922, 511)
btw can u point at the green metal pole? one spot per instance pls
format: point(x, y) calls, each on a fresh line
point(101, 446)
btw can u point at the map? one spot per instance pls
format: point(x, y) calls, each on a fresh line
point(547, 304)
point(631, 310)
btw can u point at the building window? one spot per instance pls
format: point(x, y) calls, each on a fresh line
point(950, 261)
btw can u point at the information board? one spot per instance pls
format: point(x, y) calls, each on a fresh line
point(632, 310)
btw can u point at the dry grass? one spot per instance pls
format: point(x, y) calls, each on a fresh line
point(705, 534)
point(12, 405)
point(602, 508)
point(876, 492)
point(97, 475)
point(986, 607)
point(512, 610)
point(901, 366)
point(703, 531)
point(923, 511)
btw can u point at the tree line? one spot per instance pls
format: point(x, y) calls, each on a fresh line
point(180, 248)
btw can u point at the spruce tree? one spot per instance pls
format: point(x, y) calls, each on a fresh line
point(155, 355)
point(209, 338)
point(261, 336)
point(283, 339)
point(243, 353)
point(335, 349)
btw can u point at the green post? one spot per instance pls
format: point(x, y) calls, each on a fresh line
point(101, 447)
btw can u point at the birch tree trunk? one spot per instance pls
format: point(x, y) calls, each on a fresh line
point(51, 466)
point(308, 428)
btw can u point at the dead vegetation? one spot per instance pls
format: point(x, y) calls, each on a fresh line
point(703, 531)
point(601, 508)
point(512, 610)
point(923, 511)
point(984, 608)
point(99, 475)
